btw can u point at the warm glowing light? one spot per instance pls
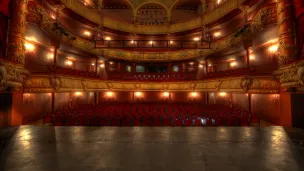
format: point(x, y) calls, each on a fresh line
point(216, 34)
point(191, 63)
point(53, 16)
point(138, 94)
point(273, 48)
point(201, 66)
point(233, 64)
point(102, 65)
point(69, 63)
point(251, 57)
point(50, 56)
point(222, 94)
point(132, 41)
point(209, 65)
point(151, 42)
point(166, 94)
point(108, 38)
point(87, 33)
point(78, 93)
point(110, 94)
point(111, 63)
point(29, 47)
point(85, 3)
point(171, 42)
point(93, 64)
point(194, 94)
point(196, 39)
point(218, 1)
point(272, 41)
point(32, 39)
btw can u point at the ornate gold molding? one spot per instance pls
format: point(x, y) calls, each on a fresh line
point(94, 16)
point(45, 23)
point(252, 84)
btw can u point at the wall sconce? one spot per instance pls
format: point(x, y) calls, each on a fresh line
point(50, 56)
point(108, 38)
point(151, 42)
point(194, 94)
point(273, 48)
point(132, 41)
point(69, 63)
point(217, 34)
point(53, 16)
point(233, 64)
point(222, 94)
point(78, 93)
point(251, 57)
point(29, 47)
point(102, 65)
point(218, 1)
point(138, 94)
point(201, 66)
point(87, 33)
point(166, 94)
point(196, 39)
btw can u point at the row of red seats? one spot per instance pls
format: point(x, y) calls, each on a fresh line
point(74, 72)
point(227, 73)
point(152, 77)
point(155, 114)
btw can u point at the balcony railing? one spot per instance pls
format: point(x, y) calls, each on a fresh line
point(153, 77)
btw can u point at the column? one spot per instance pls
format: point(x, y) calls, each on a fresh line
point(16, 39)
point(206, 66)
point(53, 103)
point(249, 102)
point(96, 65)
point(286, 32)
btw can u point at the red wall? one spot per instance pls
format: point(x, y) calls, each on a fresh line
point(240, 100)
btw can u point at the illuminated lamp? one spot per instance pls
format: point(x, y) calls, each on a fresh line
point(252, 57)
point(201, 66)
point(108, 38)
point(93, 64)
point(233, 64)
point(222, 94)
point(69, 63)
point(132, 41)
point(78, 93)
point(218, 1)
point(50, 56)
point(171, 42)
point(138, 94)
point(166, 94)
point(85, 3)
point(32, 39)
point(191, 63)
point(273, 48)
point(102, 65)
point(194, 94)
point(217, 34)
point(209, 65)
point(29, 47)
point(196, 39)
point(53, 16)
point(87, 33)
point(109, 94)
point(151, 42)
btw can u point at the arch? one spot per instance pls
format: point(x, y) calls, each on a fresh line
point(131, 5)
point(176, 3)
point(152, 2)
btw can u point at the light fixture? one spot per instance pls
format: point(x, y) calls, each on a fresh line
point(151, 42)
point(209, 65)
point(50, 56)
point(273, 48)
point(216, 34)
point(85, 3)
point(53, 16)
point(93, 64)
point(196, 39)
point(102, 65)
point(233, 64)
point(29, 47)
point(194, 94)
point(132, 41)
point(32, 39)
point(171, 42)
point(138, 94)
point(109, 94)
point(69, 62)
point(222, 94)
point(166, 94)
point(218, 1)
point(201, 66)
point(251, 57)
point(111, 63)
point(191, 63)
point(108, 38)
point(87, 33)
point(78, 93)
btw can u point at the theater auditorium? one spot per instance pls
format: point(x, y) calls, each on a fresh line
point(151, 85)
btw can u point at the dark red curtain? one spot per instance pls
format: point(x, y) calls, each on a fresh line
point(3, 33)
point(4, 7)
point(299, 14)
